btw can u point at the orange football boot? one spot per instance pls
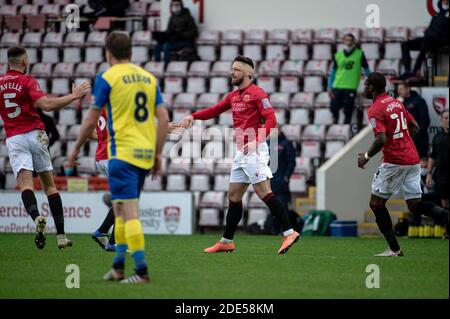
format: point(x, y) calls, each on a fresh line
point(288, 241)
point(220, 247)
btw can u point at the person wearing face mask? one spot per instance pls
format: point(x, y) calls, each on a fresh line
point(435, 37)
point(344, 78)
point(180, 34)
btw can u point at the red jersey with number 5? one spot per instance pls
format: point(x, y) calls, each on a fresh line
point(18, 93)
point(388, 115)
point(101, 153)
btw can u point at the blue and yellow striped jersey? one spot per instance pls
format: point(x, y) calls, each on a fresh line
point(131, 96)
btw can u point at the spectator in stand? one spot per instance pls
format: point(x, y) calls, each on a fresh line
point(436, 36)
point(418, 108)
point(345, 74)
point(181, 33)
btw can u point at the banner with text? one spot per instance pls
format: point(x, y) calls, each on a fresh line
point(160, 213)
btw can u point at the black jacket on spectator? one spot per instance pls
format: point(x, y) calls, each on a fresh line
point(418, 108)
point(438, 28)
point(182, 27)
point(286, 165)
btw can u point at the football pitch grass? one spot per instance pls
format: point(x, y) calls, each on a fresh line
point(316, 267)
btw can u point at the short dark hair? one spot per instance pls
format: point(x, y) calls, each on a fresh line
point(405, 84)
point(351, 35)
point(377, 80)
point(119, 44)
point(14, 53)
point(244, 59)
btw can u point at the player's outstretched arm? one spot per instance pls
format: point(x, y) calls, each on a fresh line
point(55, 103)
point(163, 128)
point(87, 127)
point(206, 114)
point(376, 146)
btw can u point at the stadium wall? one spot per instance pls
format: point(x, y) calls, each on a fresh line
point(342, 187)
point(270, 14)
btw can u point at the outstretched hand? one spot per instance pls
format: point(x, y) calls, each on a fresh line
point(83, 89)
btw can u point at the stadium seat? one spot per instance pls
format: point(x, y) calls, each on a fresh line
point(221, 182)
point(219, 85)
point(180, 114)
point(8, 10)
point(397, 34)
point(323, 116)
point(226, 118)
point(3, 149)
point(51, 10)
point(281, 116)
point(53, 39)
point(173, 85)
point(8, 167)
point(212, 199)
point(392, 51)
point(179, 166)
point(228, 52)
point(29, 10)
point(207, 52)
point(255, 202)
point(207, 100)
point(96, 38)
point(322, 52)
point(213, 151)
point(302, 36)
point(255, 36)
point(153, 184)
point(2, 164)
point(209, 217)
point(85, 70)
point(389, 67)
point(3, 70)
point(299, 116)
point(292, 68)
point(253, 51)
point(332, 147)
point(275, 52)
point(154, 9)
point(316, 68)
point(168, 99)
point(63, 70)
point(94, 55)
point(155, 68)
point(314, 132)
point(200, 182)
point(196, 85)
point(280, 100)
point(257, 215)
point(417, 32)
point(176, 182)
point(56, 149)
point(177, 68)
point(199, 68)
point(10, 39)
point(303, 166)
point(303, 100)
point(211, 37)
point(355, 31)
point(289, 84)
point(32, 55)
point(202, 167)
point(322, 100)
point(72, 132)
point(292, 131)
point(75, 39)
point(60, 86)
point(10, 181)
point(232, 37)
point(224, 166)
point(103, 67)
point(371, 50)
point(269, 68)
point(373, 35)
point(221, 68)
point(50, 55)
point(184, 100)
point(338, 132)
point(298, 52)
point(67, 116)
point(32, 39)
point(139, 54)
point(310, 149)
point(142, 38)
point(297, 183)
point(267, 83)
point(42, 70)
point(86, 166)
point(43, 84)
point(325, 35)
point(278, 36)
point(313, 84)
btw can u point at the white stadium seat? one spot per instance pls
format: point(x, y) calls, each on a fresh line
point(302, 99)
point(176, 182)
point(209, 217)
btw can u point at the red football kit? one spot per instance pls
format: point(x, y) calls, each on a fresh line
point(388, 115)
point(101, 152)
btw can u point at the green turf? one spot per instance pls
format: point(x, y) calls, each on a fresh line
point(313, 268)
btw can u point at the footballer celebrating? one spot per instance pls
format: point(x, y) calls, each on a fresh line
point(250, 105)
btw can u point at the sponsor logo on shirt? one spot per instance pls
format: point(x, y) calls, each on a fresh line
point(266, 103)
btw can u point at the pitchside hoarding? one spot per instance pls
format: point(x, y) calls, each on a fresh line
point(161, 213)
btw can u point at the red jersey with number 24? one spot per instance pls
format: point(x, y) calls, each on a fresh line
point(101, 153)
point(388, 115)
point(18, 93)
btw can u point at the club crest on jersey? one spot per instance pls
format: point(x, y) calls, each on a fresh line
point(266, 103)
point(172, 218)
point(439, 103)
point(246, 98)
